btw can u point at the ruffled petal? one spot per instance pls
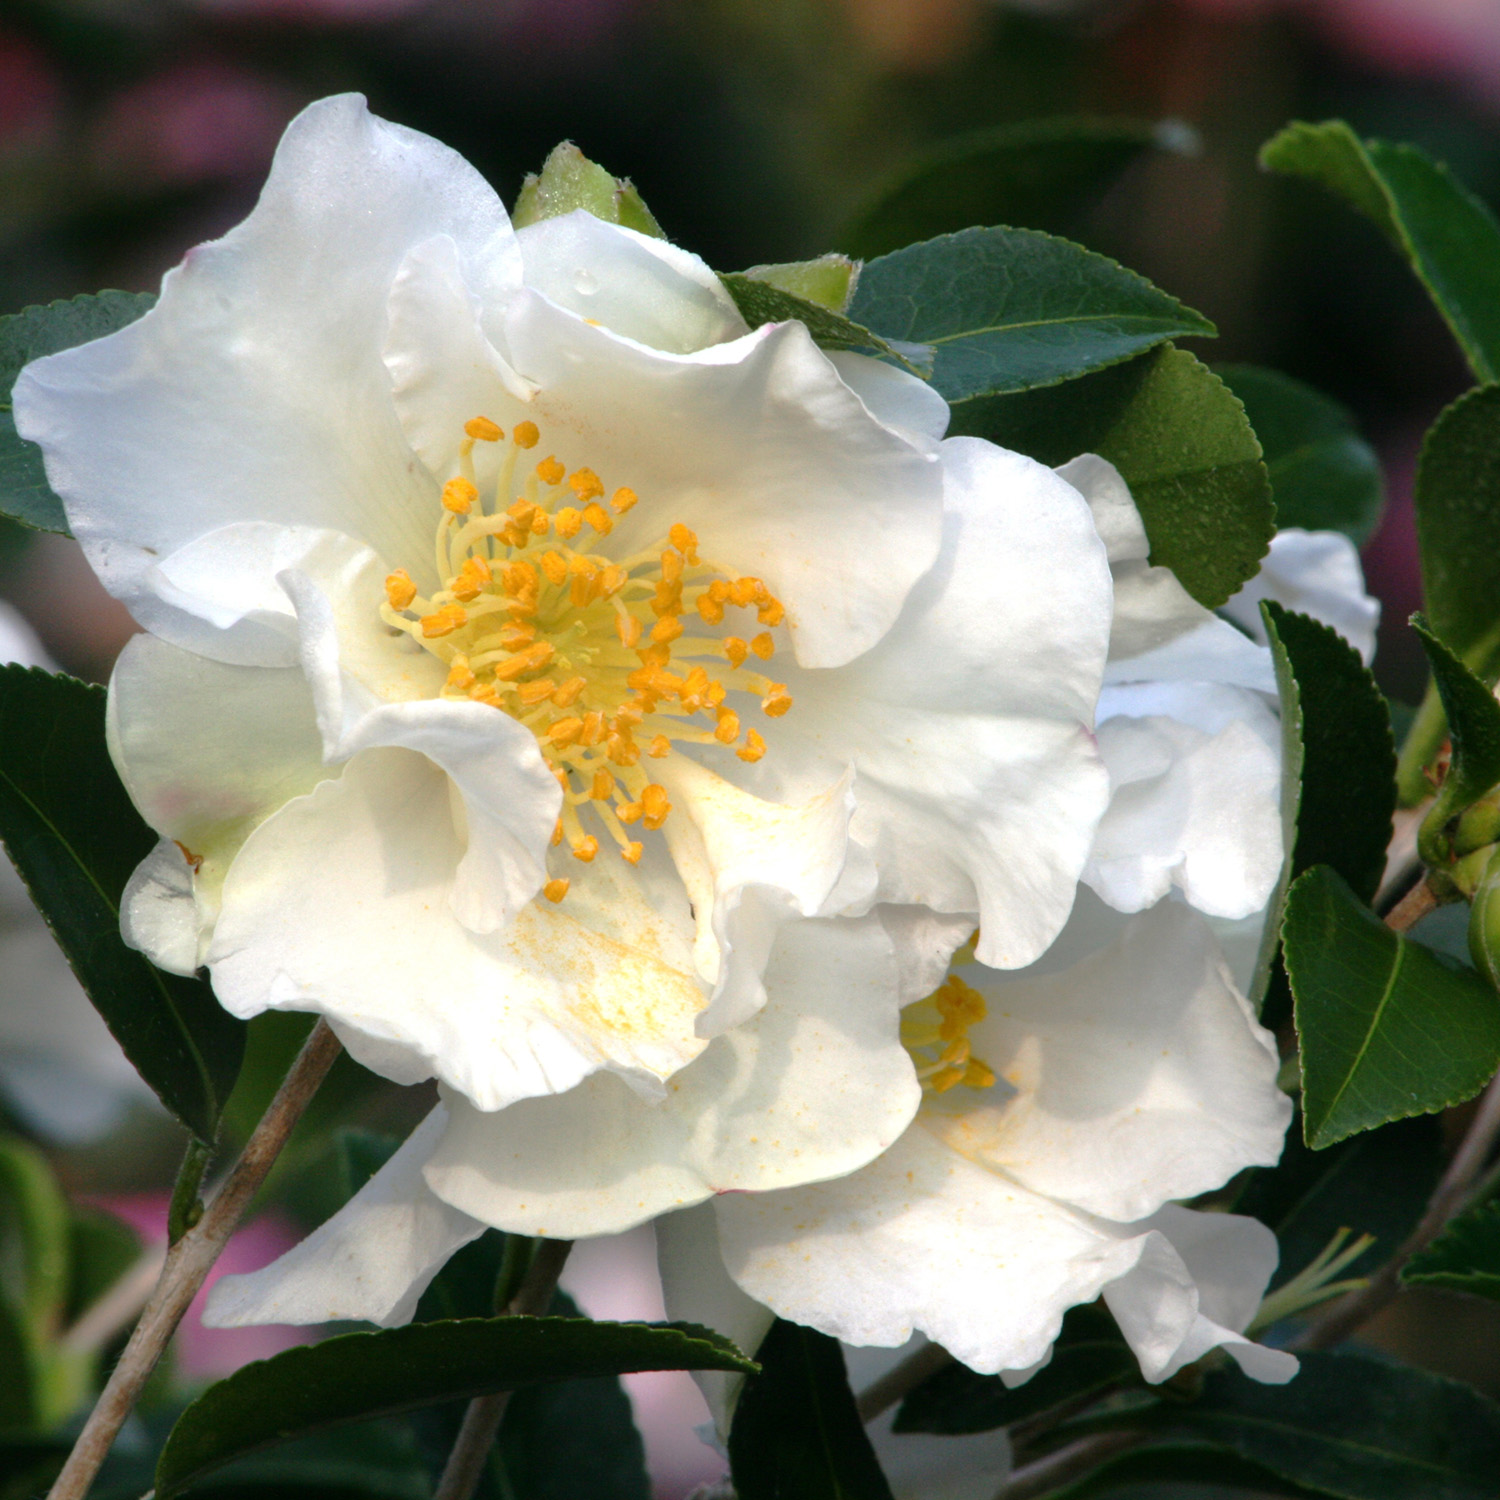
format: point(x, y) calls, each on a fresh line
point(696, 1288)
point(1139, 1075)
point(756, 445)
point(641, 288)
point(255, 388)
point(904, 403)
point(978, 783)
point(1316, 573)
point(371, 1261)
point(340, 904)
point(813, 1086)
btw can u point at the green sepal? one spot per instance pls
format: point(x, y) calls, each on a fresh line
point(568, 181)
point(1484, 916)
point(828, 281)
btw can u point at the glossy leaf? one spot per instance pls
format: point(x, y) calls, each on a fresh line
point(1324, 475)
point(75, 837)
point(762, 302)
point(1376, 1184)
point(1180, 438)
point(359, 1376)
point(797, 1434)
point(1088, 1358)
point(1011, 309)
point(25, 495)
point(1178, 1464)
point(1035, 174)
point(1448, 237)
point(1465, 1257)
point(1388, 1028)
point(1356, 1426)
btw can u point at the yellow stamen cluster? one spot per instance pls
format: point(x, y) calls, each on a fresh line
point(603, 659)
point(936, 1033)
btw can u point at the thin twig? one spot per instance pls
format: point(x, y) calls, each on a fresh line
point(882, 1394)
point(119, 1307)
point(1046, 1474)
point(482, 1419)
point(190, 1260)
point(1450, 1195)
point(1412, 907)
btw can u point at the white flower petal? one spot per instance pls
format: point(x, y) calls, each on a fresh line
point(925, 942)
point(979, 786)
point(340, 904)
point(1139, 1075)
point(159, 913)
point(1190, 810)
point(697, 1289)
point(921, 1239)
point(903, 402)
point(815, 1085)
point(371, 1261)
point(760, 448)
point(637, 286)
point(255, 388)
point(1316, 573)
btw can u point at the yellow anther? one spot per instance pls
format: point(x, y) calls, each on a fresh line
point(399, 589)
point(555, 890)
point(585, 587)
point(736, 650)
point(525, 435)
point(555, 566)
point(586, 485)
point(719, 591)
point(484, 692)
point(777, 701)
point(532, 693)
point(667, 600)
point(693, 693)
point(611, 581)
point(519, 578)
point(772, 612)
point(628, 628)
point(632, 852)
point(622, 499)
point(594, 728)
point(482, 430)
point(599, 518)
point(569, 522)
point(471, 580)
point(666, 629)
point(621, 749)
point(629, 812)
point(684, 541)
point(449, 618)
point(460, 678)
point(629, 713)
point(541, 522)
point(459, 496)
point(763, 646)
point(516, 634)
point(714, 696)
point(565, 731)
point(710, 609)
point(671, 566)
point(659, 747)
point(977, 1075)
point(567, 695)
point(948, 1078)
point(557, 833)
point(745, 591)
point(603, 787)
point(549, 471)
point(655, 805)
point(586, 848)
point(727, 731)
point(753, 748)
point(532, 659)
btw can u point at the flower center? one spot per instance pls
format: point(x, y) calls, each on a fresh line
point(602, 658)
point(936, 1033)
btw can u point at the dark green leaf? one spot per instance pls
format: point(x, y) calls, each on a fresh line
point(28, 1465)
point(1089, 1357)
point(1465, 1257)
point(33, 1236)
point(1037, 174)
point(24, 493)
point(370, 1461)
point(1324, 475)
point(1180, 438)
point(1449, 238)
point(1473, 718)
point(1388, 1028)
point(1177, 1464)
point(1376, 1184)
point(1347, 765)
point(762, 302)
point(1011, 309)
point(19, 1376)
point(358, 1376)
point(76, 839)
point(1359, 1427)
point(796, 1432)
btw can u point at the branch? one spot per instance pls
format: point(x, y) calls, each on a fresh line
point(884, 1393)
point(1056, 1469)
point(1412, 907)
point(190, 1260)
point(482, 1418)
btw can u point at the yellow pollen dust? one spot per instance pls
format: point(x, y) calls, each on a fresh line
point(604, 658)
point(936, 1033)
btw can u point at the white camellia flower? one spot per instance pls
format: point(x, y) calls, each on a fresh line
point(469, 560)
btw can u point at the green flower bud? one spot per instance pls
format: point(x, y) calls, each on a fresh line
point(569, 180)
point(1479, 826)
point(1484, 921)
